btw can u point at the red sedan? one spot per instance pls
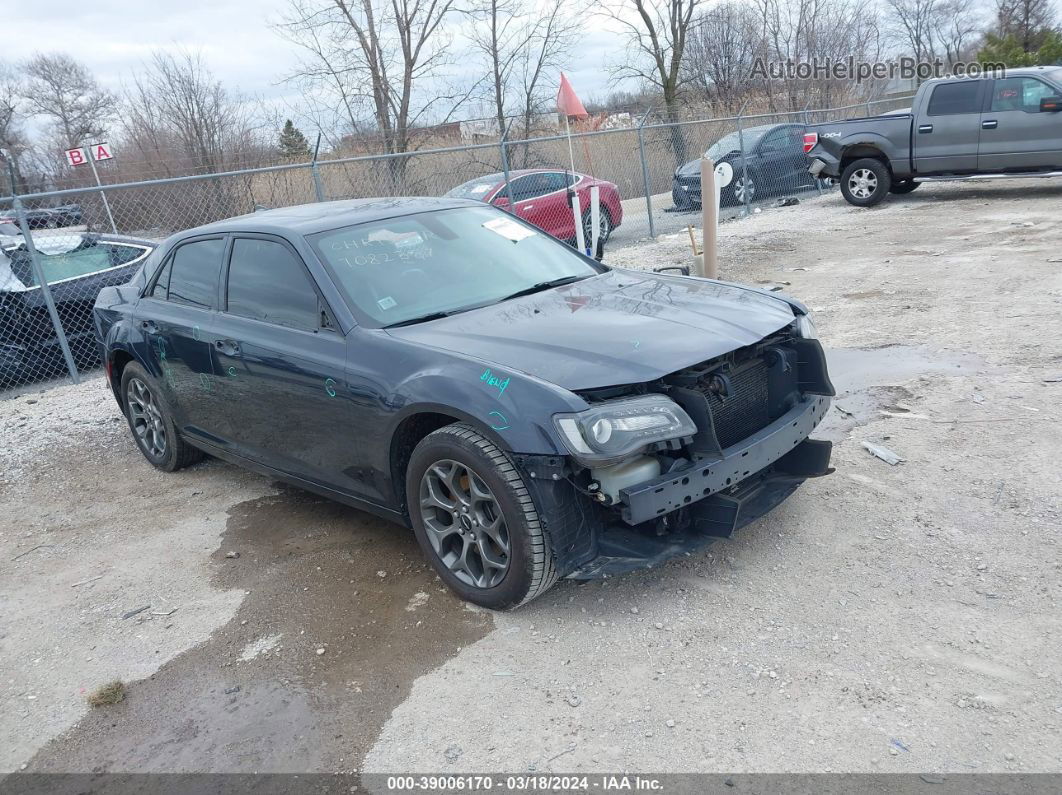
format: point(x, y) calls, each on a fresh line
point(541, 197)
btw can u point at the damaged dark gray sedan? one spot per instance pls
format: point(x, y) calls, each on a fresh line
point(531, 413)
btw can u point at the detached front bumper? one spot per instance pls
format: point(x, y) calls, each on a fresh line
point(655, 498)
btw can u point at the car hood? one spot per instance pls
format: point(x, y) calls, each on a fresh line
point(621, 327)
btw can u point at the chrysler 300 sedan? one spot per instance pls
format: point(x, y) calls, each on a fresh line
point(531, 413)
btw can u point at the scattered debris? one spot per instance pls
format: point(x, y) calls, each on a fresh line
point(670, 723)
point(1055, 379)
point(897, 744)
point(31, 549)
point(416, 600)
point(230, 690)
point(107, 695)
point(169, 612)
point(453, 753)
point(232, 554)
point(135, 611)
point(787, 201)
point(573, 700)
point(320, 652)
point(884, 453)
point(85, 582)
point(381, 573)
point(843, 410)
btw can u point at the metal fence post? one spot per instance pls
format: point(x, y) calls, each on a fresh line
point(645, 173)
point(744, 163)
point(503, 145)
point(318, 188)
point(38, 275)
point(103, 194)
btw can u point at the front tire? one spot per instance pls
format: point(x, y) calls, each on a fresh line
point(476, 521)
point(151, 422)
point(865, 182)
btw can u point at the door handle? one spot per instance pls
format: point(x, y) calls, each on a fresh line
point(527, 208)
point(149, 326)
point(925, 128)
point(228, 347)
point(989, 124)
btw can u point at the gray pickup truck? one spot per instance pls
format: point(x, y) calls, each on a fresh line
point(958, 128)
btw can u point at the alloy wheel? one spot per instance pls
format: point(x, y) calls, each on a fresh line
point(146, 418)
point(740, 187)
point(862, 183)
point(464, 523)
point(605, 227)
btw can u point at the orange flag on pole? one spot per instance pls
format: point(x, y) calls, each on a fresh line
point(567, 101)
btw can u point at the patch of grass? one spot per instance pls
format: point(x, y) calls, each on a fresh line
point(107, 695)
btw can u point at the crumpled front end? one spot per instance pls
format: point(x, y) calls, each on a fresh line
point(754, 410)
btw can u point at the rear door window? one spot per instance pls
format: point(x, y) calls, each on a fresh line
point(195, 271)
point(268, 282)
point(950, 99)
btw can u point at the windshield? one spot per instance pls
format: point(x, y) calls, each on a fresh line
point(732, 142)
point(412, 266)
point(477, 188)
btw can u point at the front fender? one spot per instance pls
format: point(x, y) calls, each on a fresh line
point(512, 408)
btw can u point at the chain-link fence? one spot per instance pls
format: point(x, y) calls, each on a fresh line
point(61, 248)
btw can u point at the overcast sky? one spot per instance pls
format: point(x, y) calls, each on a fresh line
point(114, 37)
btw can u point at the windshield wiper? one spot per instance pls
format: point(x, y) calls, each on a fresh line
point(421, 319)
point(537, 288)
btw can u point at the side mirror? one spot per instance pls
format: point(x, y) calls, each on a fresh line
point(1050, 104)
point(501, 200)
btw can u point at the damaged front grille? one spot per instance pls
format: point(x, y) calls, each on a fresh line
point(738, 401)
point(733, 396)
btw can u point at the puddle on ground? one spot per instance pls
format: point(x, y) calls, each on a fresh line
point(870, 379)
point(258, 696)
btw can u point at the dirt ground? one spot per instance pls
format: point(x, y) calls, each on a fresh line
point(885, 618)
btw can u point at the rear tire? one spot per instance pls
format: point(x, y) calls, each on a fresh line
point(151, 422)
point(606, 225)
point(865, 182)
point(904, 186)
point(476, 521)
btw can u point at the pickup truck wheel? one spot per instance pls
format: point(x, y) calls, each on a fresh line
point(865, 182)
point(476, 521)
point(904, 186)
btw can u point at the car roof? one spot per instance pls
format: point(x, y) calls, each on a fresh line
point(1020, 71)
point(308, 219)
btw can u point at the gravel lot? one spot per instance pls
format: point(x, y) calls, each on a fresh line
point(886, 618)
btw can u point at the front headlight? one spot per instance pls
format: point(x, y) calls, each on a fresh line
point(610, 431)
point(805, 328)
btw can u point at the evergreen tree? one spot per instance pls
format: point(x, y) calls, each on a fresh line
point(293, 143)
point(1011, 51)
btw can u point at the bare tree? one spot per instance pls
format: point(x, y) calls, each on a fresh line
point(64, 91)
point(932, 30)
point(175, 106)
point(13, 141)
point(810, 31)
point(382, 59)
point(521, 45)
point(1028, 21)
point(657, 34)
point(723, 45)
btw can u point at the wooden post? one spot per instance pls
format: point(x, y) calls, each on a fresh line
point(710, 219)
